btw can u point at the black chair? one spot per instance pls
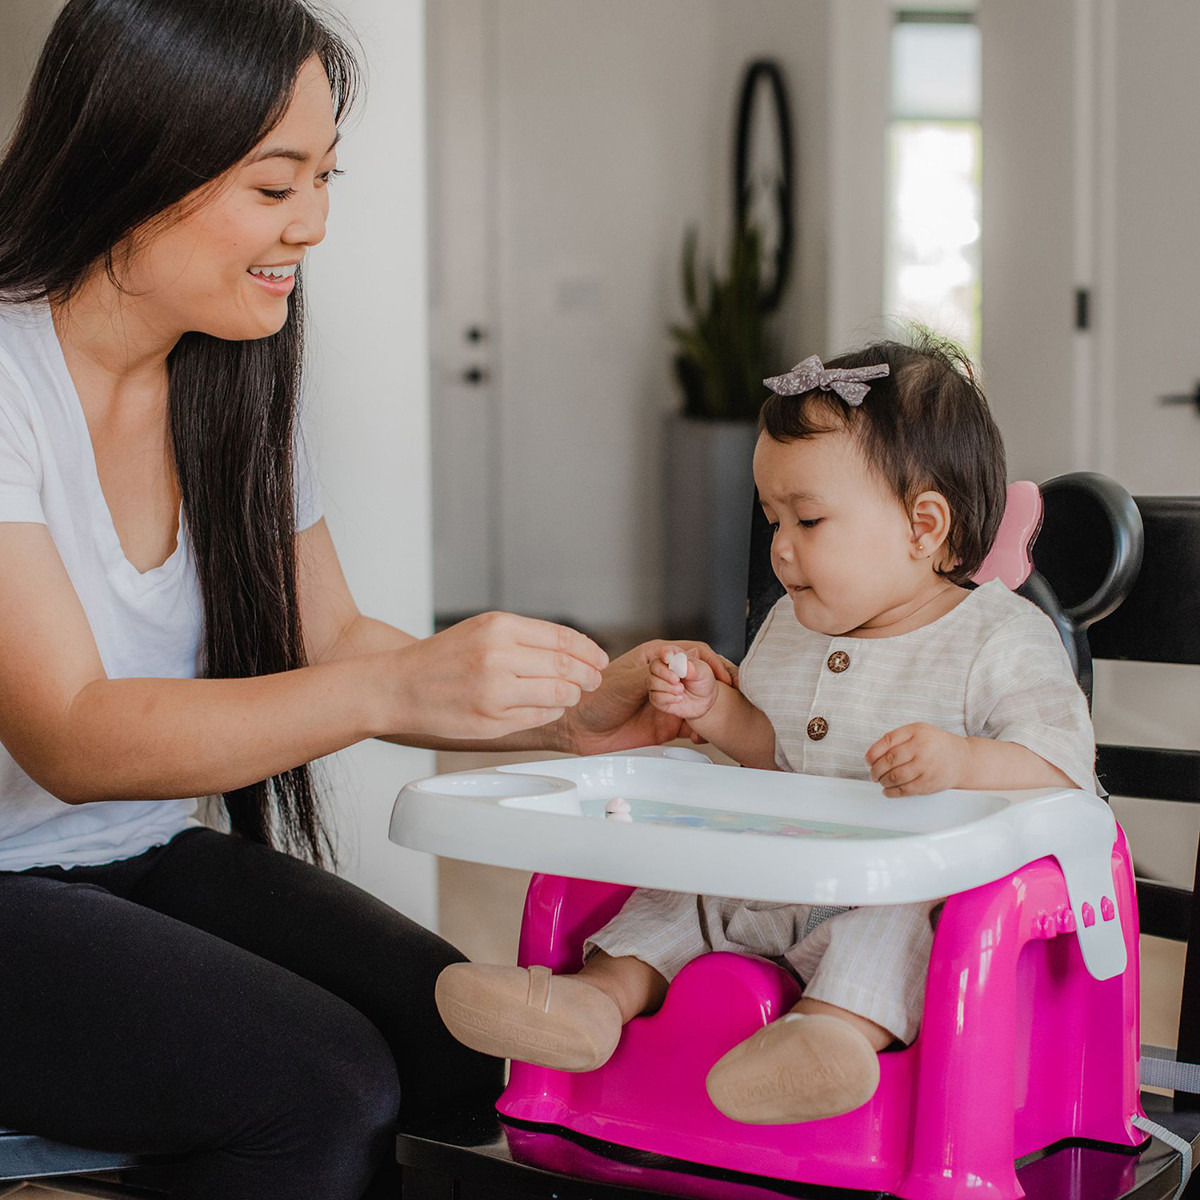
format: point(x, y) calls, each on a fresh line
point(26, 1158)
point(1089, 556)
point(1159, 622)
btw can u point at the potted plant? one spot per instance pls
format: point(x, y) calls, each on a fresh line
point(722, 355)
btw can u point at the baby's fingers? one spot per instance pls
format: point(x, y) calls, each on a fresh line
point(916, 785)
point(889, 742)
point(675, 660)
point(664, 684)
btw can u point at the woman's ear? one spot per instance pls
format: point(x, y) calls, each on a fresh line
point(930, 524)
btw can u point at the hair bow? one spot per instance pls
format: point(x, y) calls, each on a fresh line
point(810, 375)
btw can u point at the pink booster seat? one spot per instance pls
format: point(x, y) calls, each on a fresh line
point(1020, 1047)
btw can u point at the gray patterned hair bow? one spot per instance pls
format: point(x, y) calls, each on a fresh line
point(810, 375)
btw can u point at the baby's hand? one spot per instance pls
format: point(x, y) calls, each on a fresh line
point(916, 759)
point(690, 695)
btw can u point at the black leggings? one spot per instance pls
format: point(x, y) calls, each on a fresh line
point(221, 1001)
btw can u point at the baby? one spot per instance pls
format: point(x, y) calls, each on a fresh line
point(883, 479)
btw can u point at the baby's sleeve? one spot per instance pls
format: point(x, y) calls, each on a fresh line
point(1021, 689)
point(20, 469)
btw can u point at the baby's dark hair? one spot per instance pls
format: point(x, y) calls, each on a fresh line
point(924, 427)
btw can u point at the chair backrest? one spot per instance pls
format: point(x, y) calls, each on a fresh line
point(1159, 622)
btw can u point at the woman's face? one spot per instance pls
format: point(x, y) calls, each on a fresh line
point(227, 267)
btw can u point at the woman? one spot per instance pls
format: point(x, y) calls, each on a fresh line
point(174, 624)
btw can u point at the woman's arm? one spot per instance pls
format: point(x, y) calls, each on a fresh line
point(615, 716)
point(85, 737)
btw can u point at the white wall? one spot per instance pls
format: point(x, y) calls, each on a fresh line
point(615, 126)
point(1028, 224)
point(854, 171)
point(369, 411)
point(23, 27)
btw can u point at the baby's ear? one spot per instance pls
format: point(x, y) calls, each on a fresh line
point(930, 524)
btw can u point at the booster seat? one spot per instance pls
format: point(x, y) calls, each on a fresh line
point(1020, 1048)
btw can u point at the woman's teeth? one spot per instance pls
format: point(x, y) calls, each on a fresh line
point(275, 272)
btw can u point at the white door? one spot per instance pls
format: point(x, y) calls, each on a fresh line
point(1150, 342)
point(1090, 182)
point(464, 424)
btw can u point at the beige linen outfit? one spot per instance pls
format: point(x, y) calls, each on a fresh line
point(992, 667)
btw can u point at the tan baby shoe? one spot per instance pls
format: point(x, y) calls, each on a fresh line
point(800, 1068)
point(529, 1014)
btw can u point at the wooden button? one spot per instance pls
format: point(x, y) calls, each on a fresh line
point(818, 727)
point(838, 661)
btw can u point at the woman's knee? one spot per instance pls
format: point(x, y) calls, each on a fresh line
point(348, 1082)
point(326, 1106)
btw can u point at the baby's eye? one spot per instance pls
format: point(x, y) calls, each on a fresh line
point(773, 526)
point(811, 524)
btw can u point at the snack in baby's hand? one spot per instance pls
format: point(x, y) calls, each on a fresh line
point(677, 664)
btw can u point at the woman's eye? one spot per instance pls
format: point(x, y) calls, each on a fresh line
point(278, 194)
point(330, 175)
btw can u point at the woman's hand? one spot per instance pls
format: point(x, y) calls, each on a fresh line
point(620, 716)
point(689, 696)
point(486, 677)
point(917, 759)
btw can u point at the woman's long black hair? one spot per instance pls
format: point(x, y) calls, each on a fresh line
point(134, 105)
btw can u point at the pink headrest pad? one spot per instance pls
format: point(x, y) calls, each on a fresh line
point(1009, 558)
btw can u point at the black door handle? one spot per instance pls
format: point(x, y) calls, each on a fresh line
point(1192, 398)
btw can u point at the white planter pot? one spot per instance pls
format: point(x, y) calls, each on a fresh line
point(710, 501)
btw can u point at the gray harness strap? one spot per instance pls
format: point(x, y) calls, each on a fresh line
point(1160, 1069)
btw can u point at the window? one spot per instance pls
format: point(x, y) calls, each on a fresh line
point(932, 269)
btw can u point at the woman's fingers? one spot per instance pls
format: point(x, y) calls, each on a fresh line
point(525, 663)
point(517, 692)
point(546, 635)
point(528, 663)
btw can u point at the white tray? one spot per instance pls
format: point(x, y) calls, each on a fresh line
point(766, 835)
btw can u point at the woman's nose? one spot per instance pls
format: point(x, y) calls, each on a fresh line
point(308, 226)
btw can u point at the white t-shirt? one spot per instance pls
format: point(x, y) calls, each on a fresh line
point(993, 666)
point(144, 623)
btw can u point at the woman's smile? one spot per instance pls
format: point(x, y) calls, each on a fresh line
point(278, 280)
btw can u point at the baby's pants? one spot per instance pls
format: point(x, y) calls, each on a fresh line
point(871, 961)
